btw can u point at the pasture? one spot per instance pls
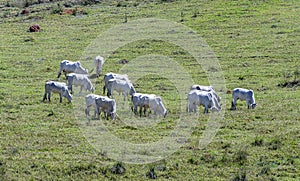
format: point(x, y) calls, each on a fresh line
point(256, 44)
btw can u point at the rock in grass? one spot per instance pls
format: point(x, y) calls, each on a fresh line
point(34, 28)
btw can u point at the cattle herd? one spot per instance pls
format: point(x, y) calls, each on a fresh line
point(78, 76)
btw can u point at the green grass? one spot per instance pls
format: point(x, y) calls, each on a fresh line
point(256, 43)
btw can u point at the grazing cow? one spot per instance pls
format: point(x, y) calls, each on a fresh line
point(107, 105)
point(98, 62)
point(81, 80)
point(207, 89)
point(244, 95)
point(67, 66)
point(121, 86)
point(207, 99)
point(57, 87)
point(90, 100)
point(110, 76)
point(151, 101)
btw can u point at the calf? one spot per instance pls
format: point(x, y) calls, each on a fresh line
point(67, 66)
point(121, 86)
point(57, 87)
point(81, 80)
point(107, 105)
point(207, 89)
point(244, 95)
point(90, 100)
point(110, 76)
point(207, 99)
point(98, 62)
point(151, 101)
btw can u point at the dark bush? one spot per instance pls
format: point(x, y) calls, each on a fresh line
point(151, 174)
point(118, 168)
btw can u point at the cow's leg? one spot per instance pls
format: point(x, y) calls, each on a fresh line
point(206, 110)
point(107, 113)
point(194, 108)
point(104, 89)
point(59, 73)
point(233, 104)
point(70, 87)
point(45, 96)
point(81, 87)
point(124, 96)
point(145, 109)
point(190, 107)
point(141, 111)
point(99, 113)
point(109, 92)
point(248, 103)
point(135, 109)
point(49, 96)
point(87, 111)
point(95, 112)
point(60, 97)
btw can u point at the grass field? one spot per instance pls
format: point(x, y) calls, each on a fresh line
point(256, 44)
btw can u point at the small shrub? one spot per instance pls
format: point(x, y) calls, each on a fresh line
point(290, 79)
point(241, 156)
point(58, 9)
point(258, 141)
point(118, 168)
point(8, 4)
point(225, 158)
point(208, 158)
point(265, 170)
point(275, 144)
point(191, 161)
point(29, 39)
point(2, 168)
point(151, 174)
point(241, 176)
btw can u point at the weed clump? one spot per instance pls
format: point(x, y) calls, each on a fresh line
point(275, 144)
point(151, 174)
point(58, 9)
point(258, 141)
point(118, 168)
point(241, 156)
point(290, 79)
point(241, 176)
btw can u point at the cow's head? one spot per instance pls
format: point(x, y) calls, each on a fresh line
point(253, 105)
point(113, 115)
point(165, 113)
point(67, 95)
point(214, 109)
point(132, 90)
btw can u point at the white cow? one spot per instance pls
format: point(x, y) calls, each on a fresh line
point(110, 76)
point(90, 100)
point(81, 80)
point(244, 95)
point(107, 105)
point(207, 99)
point(57, 87)
point(67, 66)
point(207, 89)
point(121, 86)
point(98, 62)
point(151, 101)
